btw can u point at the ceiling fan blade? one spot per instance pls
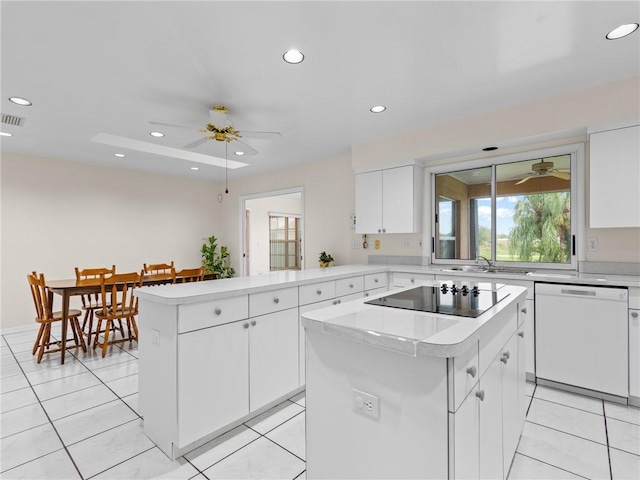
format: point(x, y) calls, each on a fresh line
point(198, 142)
point(525, 179)
point(262, 135)
point(561, 175)
point(172, 125)
point(243, 147)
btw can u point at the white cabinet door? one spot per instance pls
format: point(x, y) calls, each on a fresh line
point(634, 353)
point(369, 202)
point(273, 356)
point(398, 209)
point(466, 425)
point(528, 311)
point(523, 354)
point(213, 379)
point(303, 337)
point(511, 405)
point(614, 169)
point(491, 422)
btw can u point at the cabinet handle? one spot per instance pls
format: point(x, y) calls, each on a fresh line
point(472, 371)
point(375, 280)
point(506, 354)
point(253, 323)
point(246, 325)
point(339, 301)
point(366, 294)
point(634, 314)
point(379, 231)
point(504, 360)
point(319, 292)
point(351, 285)
point(480, 395)
point(384, 230)
point(276, 300)
point(521, 334)
point(217, 311)
point(524, 310)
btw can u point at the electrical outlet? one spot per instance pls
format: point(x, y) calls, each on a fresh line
point(155, 337)
point(593, 244)
point(366, 404)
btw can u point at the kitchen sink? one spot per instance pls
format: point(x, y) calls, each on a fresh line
point(487, 269)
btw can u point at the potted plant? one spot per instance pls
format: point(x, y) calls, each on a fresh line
point(215, 261)
point(325, 259)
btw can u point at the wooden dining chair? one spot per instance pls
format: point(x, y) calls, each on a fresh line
point(91, 302)
point(187, 275)
point(159, 271)
point(45, 316)
point(117, 291)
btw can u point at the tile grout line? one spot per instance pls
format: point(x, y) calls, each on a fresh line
point(48, 418)
point(552, 465)
point(606, 433)
point(566, 433)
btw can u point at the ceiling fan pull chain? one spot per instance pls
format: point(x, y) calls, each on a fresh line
point(226, 168)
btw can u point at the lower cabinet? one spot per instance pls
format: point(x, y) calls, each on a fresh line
point(226, 372)
point(273, 356)
point(213, 379)
point(487, 425)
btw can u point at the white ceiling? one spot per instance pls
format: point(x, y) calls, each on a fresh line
point(111, 67)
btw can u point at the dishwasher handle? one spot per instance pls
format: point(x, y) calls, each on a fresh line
point(582, 291)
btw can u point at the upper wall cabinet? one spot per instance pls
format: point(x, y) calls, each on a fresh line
point(614, 174)
point(389, 201)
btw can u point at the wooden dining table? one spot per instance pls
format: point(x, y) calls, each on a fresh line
point(72, 287)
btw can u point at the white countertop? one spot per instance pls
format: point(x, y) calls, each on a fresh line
point(231, 287)
point(406, 331)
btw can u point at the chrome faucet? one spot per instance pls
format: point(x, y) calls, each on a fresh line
point(485, 259)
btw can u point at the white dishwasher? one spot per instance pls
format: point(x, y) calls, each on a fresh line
point(582, 337)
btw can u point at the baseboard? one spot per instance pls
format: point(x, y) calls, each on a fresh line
point(634, 401)
point(583, 391)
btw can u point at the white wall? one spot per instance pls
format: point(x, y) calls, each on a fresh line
point(527, 122)
point(259, 211)
point(329, 201)
point(57, 215)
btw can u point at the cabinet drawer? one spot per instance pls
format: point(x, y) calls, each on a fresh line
point(347, 286)
point(375, 291)
point(317, 292)
point(273, 301)
point(410, 279)
point(209, 314)
point(464, 372)
point(634, 298)
point(375, 280)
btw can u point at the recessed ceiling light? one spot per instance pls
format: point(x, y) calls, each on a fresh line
point(489, 149)
point(156, 134)
point(378, 109)
point(119, 155)
point(239, 153)
point(20, 101)
point(622, 31)
point(195, 168)
point(6, 134)
point(293, 56)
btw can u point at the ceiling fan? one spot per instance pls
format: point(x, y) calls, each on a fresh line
point(221, 128)
point(546, 169)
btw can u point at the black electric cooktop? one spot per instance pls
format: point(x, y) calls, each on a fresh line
point(447, 299)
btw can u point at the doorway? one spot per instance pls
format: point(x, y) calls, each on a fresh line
point(263, 243)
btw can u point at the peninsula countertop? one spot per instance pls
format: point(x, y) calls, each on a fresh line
point(406, 331)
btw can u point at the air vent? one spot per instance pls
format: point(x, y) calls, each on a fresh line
point(13, 120)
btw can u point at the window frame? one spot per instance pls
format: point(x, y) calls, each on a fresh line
point(577, 202)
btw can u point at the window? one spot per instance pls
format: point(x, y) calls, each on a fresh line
point(511, 212)
point(284, 250)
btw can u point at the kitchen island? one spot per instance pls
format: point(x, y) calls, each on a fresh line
point(397, 393)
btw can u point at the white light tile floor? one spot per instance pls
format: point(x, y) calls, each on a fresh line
point(80, 420)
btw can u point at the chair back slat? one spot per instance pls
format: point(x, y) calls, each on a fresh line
point(40, 296)
point(188, 275)
point(88, 273)
point(157, 268)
